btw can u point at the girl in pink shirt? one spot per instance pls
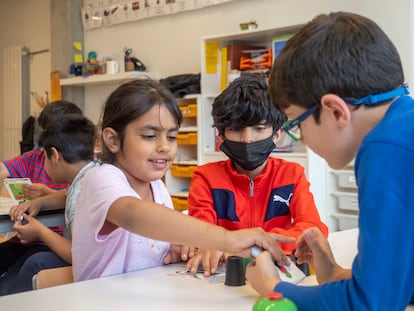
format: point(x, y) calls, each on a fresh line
point(124, 209)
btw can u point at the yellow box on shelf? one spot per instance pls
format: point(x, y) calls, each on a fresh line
point(187, 138)
point(180, 203)
point(182, 170)
point(189, 110)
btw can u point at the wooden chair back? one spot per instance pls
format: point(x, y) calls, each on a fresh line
point(53, 277)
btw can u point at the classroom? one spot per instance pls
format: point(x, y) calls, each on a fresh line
point(83, 50)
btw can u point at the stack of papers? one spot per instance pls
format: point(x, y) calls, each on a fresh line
point(5, 205)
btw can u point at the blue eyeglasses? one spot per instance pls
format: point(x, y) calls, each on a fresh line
point(292, 128)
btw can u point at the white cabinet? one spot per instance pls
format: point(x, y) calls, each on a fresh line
point(343, 198)
point(178, 178)
point(212, 83)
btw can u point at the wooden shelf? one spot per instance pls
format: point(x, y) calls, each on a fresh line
point(107, 78)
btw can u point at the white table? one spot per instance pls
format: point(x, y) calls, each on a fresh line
point(162, 288)
point(50, 218)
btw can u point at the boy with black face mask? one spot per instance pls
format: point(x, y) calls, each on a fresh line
point(250, 189)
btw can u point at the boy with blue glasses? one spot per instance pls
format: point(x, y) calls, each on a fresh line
point(350, 102)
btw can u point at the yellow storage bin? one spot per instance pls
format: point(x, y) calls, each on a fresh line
point(180, 204)
point(189, 110)
point(187, 138)
point(182, 170)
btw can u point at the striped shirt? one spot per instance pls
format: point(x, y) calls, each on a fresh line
point(31, 164)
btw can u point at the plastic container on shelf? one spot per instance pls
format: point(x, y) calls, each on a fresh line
point(347, 200)
point(180, 204)
point(182, 170)
point(346, 179)
point(187, 138)
point(189, 110)
point(346, 221)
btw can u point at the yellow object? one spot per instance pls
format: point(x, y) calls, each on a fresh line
point(55, 88)
point(189, 110)
point(311, 270)
point(187, 138)
point(182, 170)
point(223, 79)
point(180, 204)
point(212, 50)
point(77, 45)
point(78, 58)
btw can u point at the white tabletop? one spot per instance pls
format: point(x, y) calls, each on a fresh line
point(163, 288)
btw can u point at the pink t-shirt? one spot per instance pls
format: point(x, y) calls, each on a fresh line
point(120, 251)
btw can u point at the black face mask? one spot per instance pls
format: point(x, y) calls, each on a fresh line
point(249, 156)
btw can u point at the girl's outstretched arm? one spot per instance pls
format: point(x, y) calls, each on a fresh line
point(157, 222)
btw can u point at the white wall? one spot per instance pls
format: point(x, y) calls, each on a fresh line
point(170, 44)
point(27, 23)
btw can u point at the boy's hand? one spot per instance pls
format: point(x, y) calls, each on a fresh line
point(262, 274)
point(210, 260)
point(30, 231)
point(33, 191)
point(30, 207)
point(314, 248)
point(240, 242)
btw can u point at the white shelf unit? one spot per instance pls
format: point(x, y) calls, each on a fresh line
point(343, 198)
point(98, 87)
point(211, 77)
point(178, 178)
point(315, 167)
point(105, 79)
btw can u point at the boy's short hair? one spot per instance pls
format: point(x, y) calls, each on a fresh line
point(341, 53)
point(245, 102)
point(55, 110)
point(73, 136)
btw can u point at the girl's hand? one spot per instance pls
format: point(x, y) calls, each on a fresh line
point(240, 242)
point(174, 254)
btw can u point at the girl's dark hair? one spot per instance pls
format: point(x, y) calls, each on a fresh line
point(341, 53)
point(73, 136)
point(245, 102)
point(129, 102)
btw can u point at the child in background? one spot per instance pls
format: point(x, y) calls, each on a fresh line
point(124, 210)
point(69, 152)
point(340, 81)
point(251, 189)
point(31, 164)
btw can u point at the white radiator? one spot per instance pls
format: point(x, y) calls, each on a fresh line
point(12, 101)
